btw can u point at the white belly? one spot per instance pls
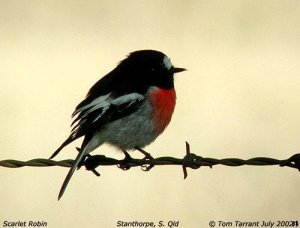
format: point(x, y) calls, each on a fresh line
point(135, 130)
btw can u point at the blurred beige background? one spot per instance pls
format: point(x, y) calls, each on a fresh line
point(239, 98)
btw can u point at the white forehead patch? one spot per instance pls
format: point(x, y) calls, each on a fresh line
point(167, 63)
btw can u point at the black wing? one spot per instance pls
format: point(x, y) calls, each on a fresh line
point(100, 111)
point(103, 110)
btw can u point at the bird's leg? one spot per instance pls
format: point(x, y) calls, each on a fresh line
point(123, 165)
point(147, 157)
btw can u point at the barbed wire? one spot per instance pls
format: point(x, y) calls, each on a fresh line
point(190, 160)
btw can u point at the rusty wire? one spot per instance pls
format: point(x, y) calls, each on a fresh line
point(189, 161)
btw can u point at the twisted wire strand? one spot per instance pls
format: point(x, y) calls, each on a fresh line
point(38, 162)
point(189, 161)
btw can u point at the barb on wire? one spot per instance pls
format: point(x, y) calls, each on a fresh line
point(190, 160)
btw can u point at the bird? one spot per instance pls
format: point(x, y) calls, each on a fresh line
point(127, 108)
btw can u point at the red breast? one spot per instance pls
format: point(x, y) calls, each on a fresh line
point(163, 102)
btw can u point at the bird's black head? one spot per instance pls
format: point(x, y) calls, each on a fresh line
point(150, 68)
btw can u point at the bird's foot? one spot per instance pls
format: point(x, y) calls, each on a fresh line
point(124, 164)
point(148, 158)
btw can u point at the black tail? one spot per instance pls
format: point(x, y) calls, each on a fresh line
point(68, 140)
point(70, 173)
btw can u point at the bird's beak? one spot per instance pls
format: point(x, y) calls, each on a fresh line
point(178, 69)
